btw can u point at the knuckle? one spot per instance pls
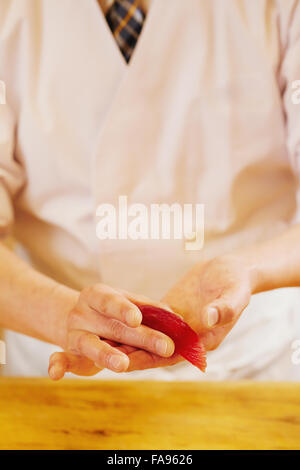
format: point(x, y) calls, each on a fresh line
point(101, 357)
point(109, 301)
point(150, 339)
point(229, 313)
point(99, 297)
point(84, 297)
point(90, 292)
point(103, 290)
point(73, 318)
point(117, 329)
point(81, 342)
point(106, 360)
point(123, 310)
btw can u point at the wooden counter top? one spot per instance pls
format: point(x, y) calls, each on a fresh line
point(91, 414)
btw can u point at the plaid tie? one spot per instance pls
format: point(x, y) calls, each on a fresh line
point(125, 19)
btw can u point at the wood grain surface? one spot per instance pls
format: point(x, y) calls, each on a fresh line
point(91, 414)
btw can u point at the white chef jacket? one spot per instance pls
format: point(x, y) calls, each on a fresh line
point(202, 114)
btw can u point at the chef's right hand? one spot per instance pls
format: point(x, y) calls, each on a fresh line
point(102, 329)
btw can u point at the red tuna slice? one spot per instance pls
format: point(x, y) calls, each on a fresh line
point(187, 342)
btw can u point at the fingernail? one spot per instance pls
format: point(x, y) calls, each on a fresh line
point(117, 363)
point(163, 348)
point(212, 316)
point(133, 318)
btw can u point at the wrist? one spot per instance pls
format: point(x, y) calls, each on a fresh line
point(248, 263)
point(64, 300)
point(253, 269)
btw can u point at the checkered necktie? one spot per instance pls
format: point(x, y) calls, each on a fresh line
point(125, 19)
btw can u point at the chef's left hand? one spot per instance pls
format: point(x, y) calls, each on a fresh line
point(210, 298)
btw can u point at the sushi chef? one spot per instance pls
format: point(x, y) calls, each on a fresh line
point(164, 101)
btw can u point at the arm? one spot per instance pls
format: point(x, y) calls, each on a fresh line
point(275, 263)
point(31, 303)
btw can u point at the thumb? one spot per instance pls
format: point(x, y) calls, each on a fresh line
point(226, 309)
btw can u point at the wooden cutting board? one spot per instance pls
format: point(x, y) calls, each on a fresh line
point(92, 414)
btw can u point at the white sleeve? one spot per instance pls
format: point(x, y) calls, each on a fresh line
point(11, 172)
point(290, 70)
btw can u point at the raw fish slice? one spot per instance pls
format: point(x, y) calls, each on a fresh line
point(186, 340)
